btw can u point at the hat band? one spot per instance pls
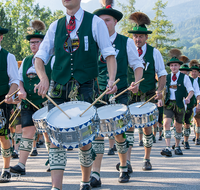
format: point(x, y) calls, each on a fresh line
point(139, 28)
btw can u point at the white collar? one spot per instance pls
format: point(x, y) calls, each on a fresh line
point(0, 47)
point(113, 37)
point(78, 15)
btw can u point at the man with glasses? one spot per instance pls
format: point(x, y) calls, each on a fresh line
point(28, 77)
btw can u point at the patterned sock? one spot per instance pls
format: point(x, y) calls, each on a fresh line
point(177, 147)
point(128, 162)
point(22, 166)
point(96, 175)
point(16, 151)
point(85, 183)
point(34, 148)
point(146, 160)
point(5, 170)
point(123, 169)
point(168, 148)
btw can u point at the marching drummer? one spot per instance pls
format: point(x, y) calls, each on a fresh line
point(126, 55)
point(153, 64)
point(9, 83)
point(75, 40)
point(178, 86)
point(195, 67)
point(28, 77)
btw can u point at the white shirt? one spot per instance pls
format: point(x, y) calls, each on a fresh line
point(186, 81)
point(196, 88)
point(32, 68)
point(99, 32)
point(12, 69)
point(133, 58)
point(159, 63)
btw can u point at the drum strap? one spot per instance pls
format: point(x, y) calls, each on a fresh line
point(178, 135)
point(57, 158)
point(167, 134)
point(130, 137)
point(197, 130)
point(87, 157)
point(186, 132)
point(6, 153)
point(17, 137)
point(26, 144)
point(98, 146)
point(148, 140)
point(122, 148)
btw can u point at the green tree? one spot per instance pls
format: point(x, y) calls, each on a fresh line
point(162, 29)
point(125, 25)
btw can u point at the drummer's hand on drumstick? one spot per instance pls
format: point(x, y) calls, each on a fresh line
point(42, 87)
point(187, 100)
point(8, 100)
point(22, 94)
point(160, 103)
point(158, 95)
point(134, 88)
point(112, 89)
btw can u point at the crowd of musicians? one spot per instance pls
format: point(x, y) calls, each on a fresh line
point(78, 58)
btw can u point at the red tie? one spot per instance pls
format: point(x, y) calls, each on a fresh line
point(140, 51)
point(71, 25)
point(174, 77)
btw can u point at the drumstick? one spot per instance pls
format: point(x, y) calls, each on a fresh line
point(15, 117)
point(15, 111)
point(151, 98)
point(102, 102)
point(54, 103)
point(9, 96)
point(126, 90)
point(32, 104)
point(100, 97)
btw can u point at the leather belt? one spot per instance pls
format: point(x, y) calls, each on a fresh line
point(173, 86)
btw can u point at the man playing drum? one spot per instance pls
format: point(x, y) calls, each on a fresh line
point(9, 83)
point(154, 64)
point(28, 77)
point(194, 66)
point(178, 87)
point(126, 55)
point(75, 40)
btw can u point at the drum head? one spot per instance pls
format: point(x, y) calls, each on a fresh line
point(73, 109)
point(111, 111)
point(41, 113)
point(147, 108)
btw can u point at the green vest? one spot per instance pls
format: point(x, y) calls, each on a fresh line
point(120, 45)
point(80, 64)
point(198, 81)
point(193, 99)
point(180, 92)
point(30, 82)
point(149, 82)
point(4, 79)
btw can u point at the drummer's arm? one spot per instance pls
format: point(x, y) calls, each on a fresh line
point(43, 85)
point(198, 104)
point(138, 73)
point(161, 85)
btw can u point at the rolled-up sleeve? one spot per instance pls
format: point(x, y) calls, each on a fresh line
point(188, 84)
point(159, 63)
point(46, 49)
point(101, 36)
point(196, 88)
point(133, 57)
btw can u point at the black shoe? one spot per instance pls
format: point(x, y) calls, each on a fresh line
point(70, 149)
point(94, 182)
point(124, 177)
point(111, 152)
point(194, 139)
point(48, 170)
point(130, 170)
point(154, 139)
point(197, 142)
point(34, 153)
point(37, 145)
point(85, 187)
point(183, 142)
point(147, 166)
point(114, 148)
point(173, 146)
point(40, 142)
point(5, 177)
point(186, 145)
point(17, 169)
point(160, 138)
point(141, 143)
point(178, 151)
point(117, 166)
point(166, 152)
point(14, 155)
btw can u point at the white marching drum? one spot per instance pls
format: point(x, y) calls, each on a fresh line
point(115, 119)
point(75, 132)
point(145, 116)
point(39, 119)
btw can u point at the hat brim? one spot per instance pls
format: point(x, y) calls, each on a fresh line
point(179, 62)
point(140, 32)
point(112, 12)
point(3, 30)
point(28, 37)
point(184, 69)
point(195, 69)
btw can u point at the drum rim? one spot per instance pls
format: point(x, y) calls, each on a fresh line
point(38, 111)
point(72, 127)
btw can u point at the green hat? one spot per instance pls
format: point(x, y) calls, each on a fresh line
point(108, 10)
point(3, 30)
point(141, 21)
point(175, 55)
point(35, 31)
point(184, 68)
point(194, 65)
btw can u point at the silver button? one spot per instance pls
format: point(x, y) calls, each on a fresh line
point(71, 68)
point(71, 59)
point(71, 54)
point(72, 73)
point(71, 63)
